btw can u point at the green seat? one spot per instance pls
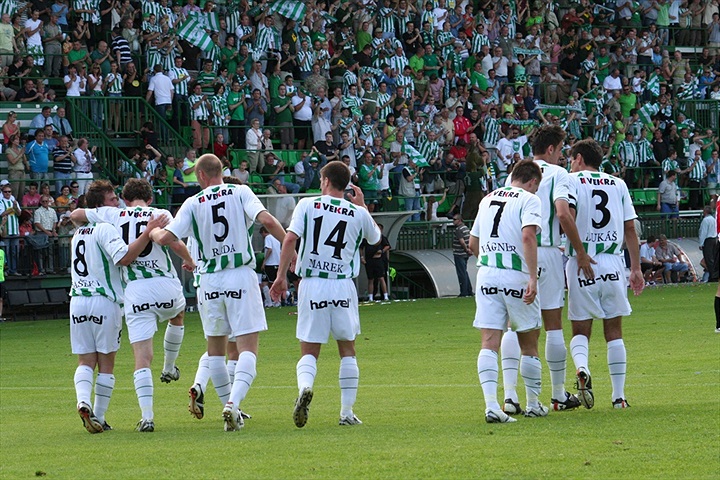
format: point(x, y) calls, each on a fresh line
point(293, 157)
point(638, 197)
point(257, 183)
point(650, 196)
point(236, 156)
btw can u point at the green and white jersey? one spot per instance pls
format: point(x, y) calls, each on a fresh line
point(555, 185)
point(501, 217)
point(492, 132)
point(95, 252)
point(13, 219)
point(603, 205)
point(130, 222)
point(221, 219)
point(331, 230)
point(628, 154)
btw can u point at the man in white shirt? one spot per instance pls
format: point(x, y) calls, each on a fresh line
point(612, 82)
point(162, 87)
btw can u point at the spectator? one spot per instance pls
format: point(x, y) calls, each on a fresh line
point(45, 221)
point(707, 236)
point(38, 156)
point(461, 255)
point(10, 228)
point(61, 124)
point(62, 163)
point(84, 159)
point(669, 255)
point(649, 263)
point(17, 165)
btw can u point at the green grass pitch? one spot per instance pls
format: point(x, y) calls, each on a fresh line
point(419, 399)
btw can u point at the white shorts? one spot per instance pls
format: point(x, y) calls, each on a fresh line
point(149, 301)
point(327, 306)
point(498, 299)
point(551, 278)
point(230, 303)
point(95, 325)
point(605, 296)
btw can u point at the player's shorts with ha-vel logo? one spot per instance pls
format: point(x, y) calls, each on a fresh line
point(95, 325)
point(150, 301)
point(327, 306)
point(230, 303)
point(499, 299)
point(604, 296)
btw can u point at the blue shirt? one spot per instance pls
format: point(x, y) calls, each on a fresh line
point(38, 155)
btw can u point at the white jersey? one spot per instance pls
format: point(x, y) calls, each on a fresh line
point(498, 226)
point(221, 219)
point(130, 222)
point(96, 249)
point(555, 185)
point(331, 230)
point(603, 206)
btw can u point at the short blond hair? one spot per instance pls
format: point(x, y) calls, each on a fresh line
point(210, 165)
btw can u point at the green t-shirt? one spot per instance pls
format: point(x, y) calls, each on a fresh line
point(431, 61)
point(367, 179)
point(104, 66)
point(225, 55)
point(663, 18)
point(627, 102)
point(416, 63)
point(76, 55)
point(274, 83)
point(362, 38)
point(602, 63)
point(477, 79)
point(239, 112)
point(286, 115)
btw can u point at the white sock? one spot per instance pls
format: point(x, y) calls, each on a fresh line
point(220, 378)
point(487, 366)
point(510, 355)
point(556, 358)
point(266, 294)
point(245, 373)
point(306, 371)
point(173, 339)
point(385, 297)
point(231, 364)
point(202, 376)
point(579, 351)
point(349, 379)
point(83, 383)
point(531, 371)
point(104, 385)
point(144, 390)
point(617, 365)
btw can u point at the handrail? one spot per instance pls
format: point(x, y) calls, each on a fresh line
point(111, 159)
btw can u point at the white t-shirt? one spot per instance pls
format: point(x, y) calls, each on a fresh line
point(501, 217)
point(220, 218)
point(130, 222)
point(272, 251)
point(35, 39)
point(74, 90)
point(331, 230)
point(647, 252)
point(96, 249)
point(611, 83)
point(162, 87)
point(84, 159)
point(555, 185)
point(603, 205)
point(305, 113)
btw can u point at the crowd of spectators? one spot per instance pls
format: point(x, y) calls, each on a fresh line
point(417, 97)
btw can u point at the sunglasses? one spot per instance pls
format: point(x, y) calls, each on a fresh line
point(73, 186)
point(7, 191)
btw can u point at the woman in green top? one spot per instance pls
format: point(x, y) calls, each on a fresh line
point(389, 131)
point(236, 107)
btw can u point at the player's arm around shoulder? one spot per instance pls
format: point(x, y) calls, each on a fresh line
point(157, 222)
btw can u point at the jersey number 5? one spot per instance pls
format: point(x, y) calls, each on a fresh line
point(217, 218)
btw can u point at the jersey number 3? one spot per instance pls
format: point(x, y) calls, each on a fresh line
point(602, 208)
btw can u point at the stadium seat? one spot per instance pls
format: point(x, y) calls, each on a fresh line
point(37, 297)
point(650, 196)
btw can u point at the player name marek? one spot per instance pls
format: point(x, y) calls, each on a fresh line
point(497, 247)
point(236, 294)
point(344, 303)
point(596, 237)
point(326, 266)
point(214, 196)
point(508, 292)
point(608, 277)
point(88, 318)
point(349, 212)
point(147, 306)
